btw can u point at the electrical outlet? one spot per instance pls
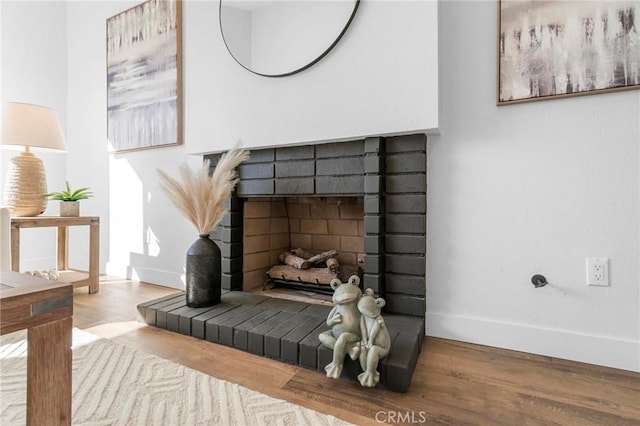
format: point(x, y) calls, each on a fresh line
point(598, 271)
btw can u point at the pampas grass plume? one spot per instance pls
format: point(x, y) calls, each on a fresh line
point(200, 197)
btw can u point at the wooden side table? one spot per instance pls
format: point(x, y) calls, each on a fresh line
point(45, 309)
point(62, 223)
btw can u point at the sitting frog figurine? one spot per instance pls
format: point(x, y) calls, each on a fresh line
point(376, 341)
point(344, 320)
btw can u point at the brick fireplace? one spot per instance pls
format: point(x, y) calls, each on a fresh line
point(366, 198)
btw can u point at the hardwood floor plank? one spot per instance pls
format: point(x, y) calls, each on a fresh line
point(606, 390)
point(455, 383)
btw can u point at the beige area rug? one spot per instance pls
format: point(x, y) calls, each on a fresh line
point(117, 385)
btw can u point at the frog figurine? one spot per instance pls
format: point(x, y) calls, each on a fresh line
point(344, 320)
point(376, 341)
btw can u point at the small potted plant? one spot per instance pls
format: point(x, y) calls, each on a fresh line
point(69, 200)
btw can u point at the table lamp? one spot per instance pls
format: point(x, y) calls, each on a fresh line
point(30, 126)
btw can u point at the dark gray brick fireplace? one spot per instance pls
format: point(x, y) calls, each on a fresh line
point(390, 173)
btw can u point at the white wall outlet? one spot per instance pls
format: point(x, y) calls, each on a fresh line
point(598, 271)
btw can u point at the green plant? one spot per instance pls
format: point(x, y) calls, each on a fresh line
point(70, 194)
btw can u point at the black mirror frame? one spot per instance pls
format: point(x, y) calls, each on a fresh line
point(315, 61)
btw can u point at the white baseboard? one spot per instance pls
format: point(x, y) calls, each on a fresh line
point(592, 349)
point(147, 275)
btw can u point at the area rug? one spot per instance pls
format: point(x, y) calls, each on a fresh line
point(117, 385)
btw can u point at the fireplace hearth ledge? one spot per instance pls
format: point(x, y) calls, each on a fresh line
point(284, 330)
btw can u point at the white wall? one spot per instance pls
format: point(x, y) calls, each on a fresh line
point(524, 189)
point(513, 191)
point(145, 237)
point(381, 78)
point(34, 70)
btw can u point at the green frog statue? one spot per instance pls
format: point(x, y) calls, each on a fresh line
point(376, 340)
point(344, 320)
point(357, 330)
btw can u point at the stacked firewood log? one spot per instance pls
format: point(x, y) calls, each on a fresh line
point(302, 266)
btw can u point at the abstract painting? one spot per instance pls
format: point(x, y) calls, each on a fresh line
point(144, 88)
point(558, 48)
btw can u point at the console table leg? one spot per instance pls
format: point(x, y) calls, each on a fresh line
point(63, 249)
point(94, 257)
point(15, 248)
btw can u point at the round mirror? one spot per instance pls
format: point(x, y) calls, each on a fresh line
point(280, 38)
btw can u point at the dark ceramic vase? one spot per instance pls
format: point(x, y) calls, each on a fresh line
point(204, 273)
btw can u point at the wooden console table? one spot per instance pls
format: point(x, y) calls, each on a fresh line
point(62, 223)
point(45, 309)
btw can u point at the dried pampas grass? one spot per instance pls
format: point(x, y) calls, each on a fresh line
point(201, 198)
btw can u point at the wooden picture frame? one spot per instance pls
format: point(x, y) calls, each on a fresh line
point(144, 76)
point(553, 49)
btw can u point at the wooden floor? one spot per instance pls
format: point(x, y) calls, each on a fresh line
point(454, 384)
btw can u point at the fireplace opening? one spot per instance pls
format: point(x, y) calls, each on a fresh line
point(302, 243)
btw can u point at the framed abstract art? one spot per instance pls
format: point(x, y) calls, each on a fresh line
point(551, 49)
point(144, 87)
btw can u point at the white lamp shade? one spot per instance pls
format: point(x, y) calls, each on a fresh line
point(31, 126)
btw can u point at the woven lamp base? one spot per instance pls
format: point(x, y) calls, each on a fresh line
point(26, 186)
